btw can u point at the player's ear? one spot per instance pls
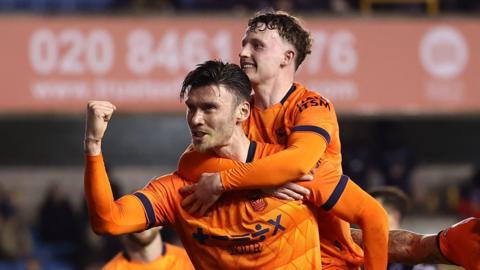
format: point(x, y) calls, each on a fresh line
point(243, 111)
point(288, 57)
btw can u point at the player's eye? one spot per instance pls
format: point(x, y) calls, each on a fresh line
point(210, 108)
point(257, 46)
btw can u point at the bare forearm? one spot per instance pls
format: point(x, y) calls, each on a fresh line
point(408, 247)
point(413, 248)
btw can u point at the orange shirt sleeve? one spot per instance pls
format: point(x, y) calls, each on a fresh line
point(108, 216)
point(460, 243)
point(351, 203)
point(314, 124)
point(131, 213)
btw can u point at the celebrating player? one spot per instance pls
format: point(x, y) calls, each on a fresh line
point(285, 112)
point(244, 230)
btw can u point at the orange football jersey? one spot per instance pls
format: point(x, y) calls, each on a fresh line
point(244, 230)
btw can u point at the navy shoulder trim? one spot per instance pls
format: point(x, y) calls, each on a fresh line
point(315, 129)
point(336, 194)
point(148, 208)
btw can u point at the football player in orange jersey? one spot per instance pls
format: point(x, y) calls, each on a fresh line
point(146, 250)
point(285, 112)
point(144, 208)
point(245, 230)
point(268, 50)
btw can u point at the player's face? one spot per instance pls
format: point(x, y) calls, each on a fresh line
point(211, 117)
point(262, 54)
point(143, 238)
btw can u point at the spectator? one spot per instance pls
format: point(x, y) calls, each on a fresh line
point(58, 227)
point(56, 217)
point(147, 250)
point(15, 237)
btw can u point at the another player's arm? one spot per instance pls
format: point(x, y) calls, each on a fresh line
point(304, 148)
point(315, 122)
point(458, 244)
point(409, 247)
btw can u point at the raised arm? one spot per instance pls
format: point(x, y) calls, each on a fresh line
point(107, 216)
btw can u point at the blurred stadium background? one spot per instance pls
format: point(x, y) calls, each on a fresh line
point(403, 74)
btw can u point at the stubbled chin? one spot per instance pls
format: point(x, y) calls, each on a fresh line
point(200, 147)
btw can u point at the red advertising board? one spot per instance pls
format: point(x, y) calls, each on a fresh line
point(365, 66)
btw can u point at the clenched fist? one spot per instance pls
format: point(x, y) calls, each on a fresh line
point(98, 115)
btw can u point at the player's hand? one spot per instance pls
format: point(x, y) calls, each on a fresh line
point(289, 191)
point(203, 194)
point(98, 115)
point(460, 243)
point(306, 177)
point(311, 173)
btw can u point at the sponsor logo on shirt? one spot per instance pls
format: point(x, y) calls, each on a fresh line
point(313, 101)
point(248, 243)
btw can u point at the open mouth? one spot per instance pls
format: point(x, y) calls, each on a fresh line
point(247, 65)
point(198, 135)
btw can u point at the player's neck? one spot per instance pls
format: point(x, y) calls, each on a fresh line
point(271, 92)
point(146, 254)
point(237, 146)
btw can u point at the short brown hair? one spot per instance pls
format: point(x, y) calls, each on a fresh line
point(215, 72)
point(392, 197)
point(288, 27)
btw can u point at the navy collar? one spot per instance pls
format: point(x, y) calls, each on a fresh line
point(251, 151)
point(290, 91)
